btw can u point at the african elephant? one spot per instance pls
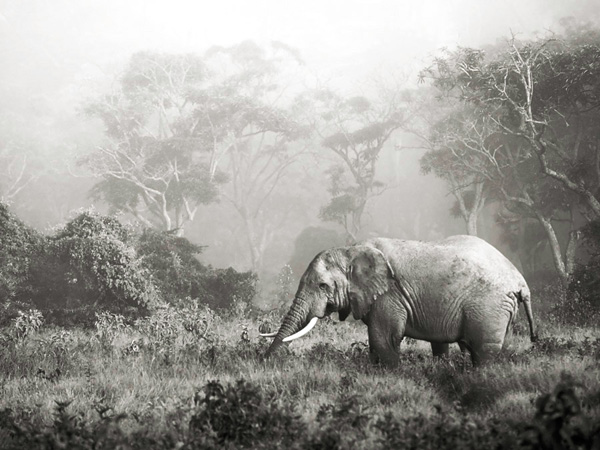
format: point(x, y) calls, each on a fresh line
point(460, 289)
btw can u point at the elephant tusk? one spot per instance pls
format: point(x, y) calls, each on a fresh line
point(303, 331)
point(273, 334)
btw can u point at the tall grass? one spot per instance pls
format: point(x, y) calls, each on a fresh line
point(196, 380)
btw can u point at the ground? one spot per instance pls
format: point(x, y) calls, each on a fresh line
point(164, 384)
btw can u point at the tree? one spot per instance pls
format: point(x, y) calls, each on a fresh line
point(155, 163)
point(557, 105)
point(256, 135)
point(457, 151)
point(517, 159)
point(179, 275)
point(15, 174)
point(546, 92)
point(355, 130)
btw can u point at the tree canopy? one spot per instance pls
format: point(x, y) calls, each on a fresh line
point(526, 129)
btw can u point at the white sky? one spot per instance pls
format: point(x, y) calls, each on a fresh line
point(336, 38)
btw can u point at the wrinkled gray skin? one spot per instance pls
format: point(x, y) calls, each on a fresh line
point(460, 289)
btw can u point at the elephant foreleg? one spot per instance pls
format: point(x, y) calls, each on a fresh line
point(440, 349)
point(386, 331)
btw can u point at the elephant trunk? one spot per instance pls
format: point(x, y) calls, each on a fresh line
point(294, 320)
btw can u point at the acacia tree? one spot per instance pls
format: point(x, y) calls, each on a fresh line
point(355, 130)
point(154, 163)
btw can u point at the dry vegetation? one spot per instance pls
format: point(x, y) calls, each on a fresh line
point(192, 379)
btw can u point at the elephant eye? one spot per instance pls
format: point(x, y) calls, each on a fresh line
point(323, 286)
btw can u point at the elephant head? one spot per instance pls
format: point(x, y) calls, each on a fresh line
point(337, 280)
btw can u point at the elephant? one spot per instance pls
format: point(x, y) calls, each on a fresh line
point(459, 289)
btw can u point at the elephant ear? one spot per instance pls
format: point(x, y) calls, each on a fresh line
point(369, 277)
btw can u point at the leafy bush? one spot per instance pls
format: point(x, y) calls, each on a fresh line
point(574, 310)
point(95, 263)
point(90, 264)
point(559, 304)
point(27, 323)
point(170, 328)
point(559, 422)
point(239, 415)
point(67, 430)
point(178, 274)
point(18, 245)
point(341, 424)
point(224, 288)
point(446, 430)
point(173, 264)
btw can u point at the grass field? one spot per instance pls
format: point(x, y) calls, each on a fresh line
point(192, 379)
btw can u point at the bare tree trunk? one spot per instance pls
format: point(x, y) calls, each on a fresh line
point(472, 223)
point(471, 214)
point(561, 268)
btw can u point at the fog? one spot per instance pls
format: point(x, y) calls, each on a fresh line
point(56, 57)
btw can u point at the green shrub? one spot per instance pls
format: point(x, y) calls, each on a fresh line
point(224, 288)
point(342, 424)
point(90, 264)
point(94, 263)
point(178, 273)
point(445, 430)
point(27, 323)
point(559, 421)
point(173, 264)
point(171, 329)
point(239, 415)
point(18, 245)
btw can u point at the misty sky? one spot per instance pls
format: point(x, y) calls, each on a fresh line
point(339, 40)
point(56, 54)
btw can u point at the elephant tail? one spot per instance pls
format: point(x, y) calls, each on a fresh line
point(525, 297)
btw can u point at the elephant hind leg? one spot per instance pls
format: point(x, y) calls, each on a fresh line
point(484, 341)
point(485, 352)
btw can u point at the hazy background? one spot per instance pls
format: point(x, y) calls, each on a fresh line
point(57, 55)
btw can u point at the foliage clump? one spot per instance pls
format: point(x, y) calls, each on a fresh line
point(90, 264)
point(94, 263)
point(242, 416)
point(18, 244)
point(559, 422)
point(172, 261)
point(178, 274)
